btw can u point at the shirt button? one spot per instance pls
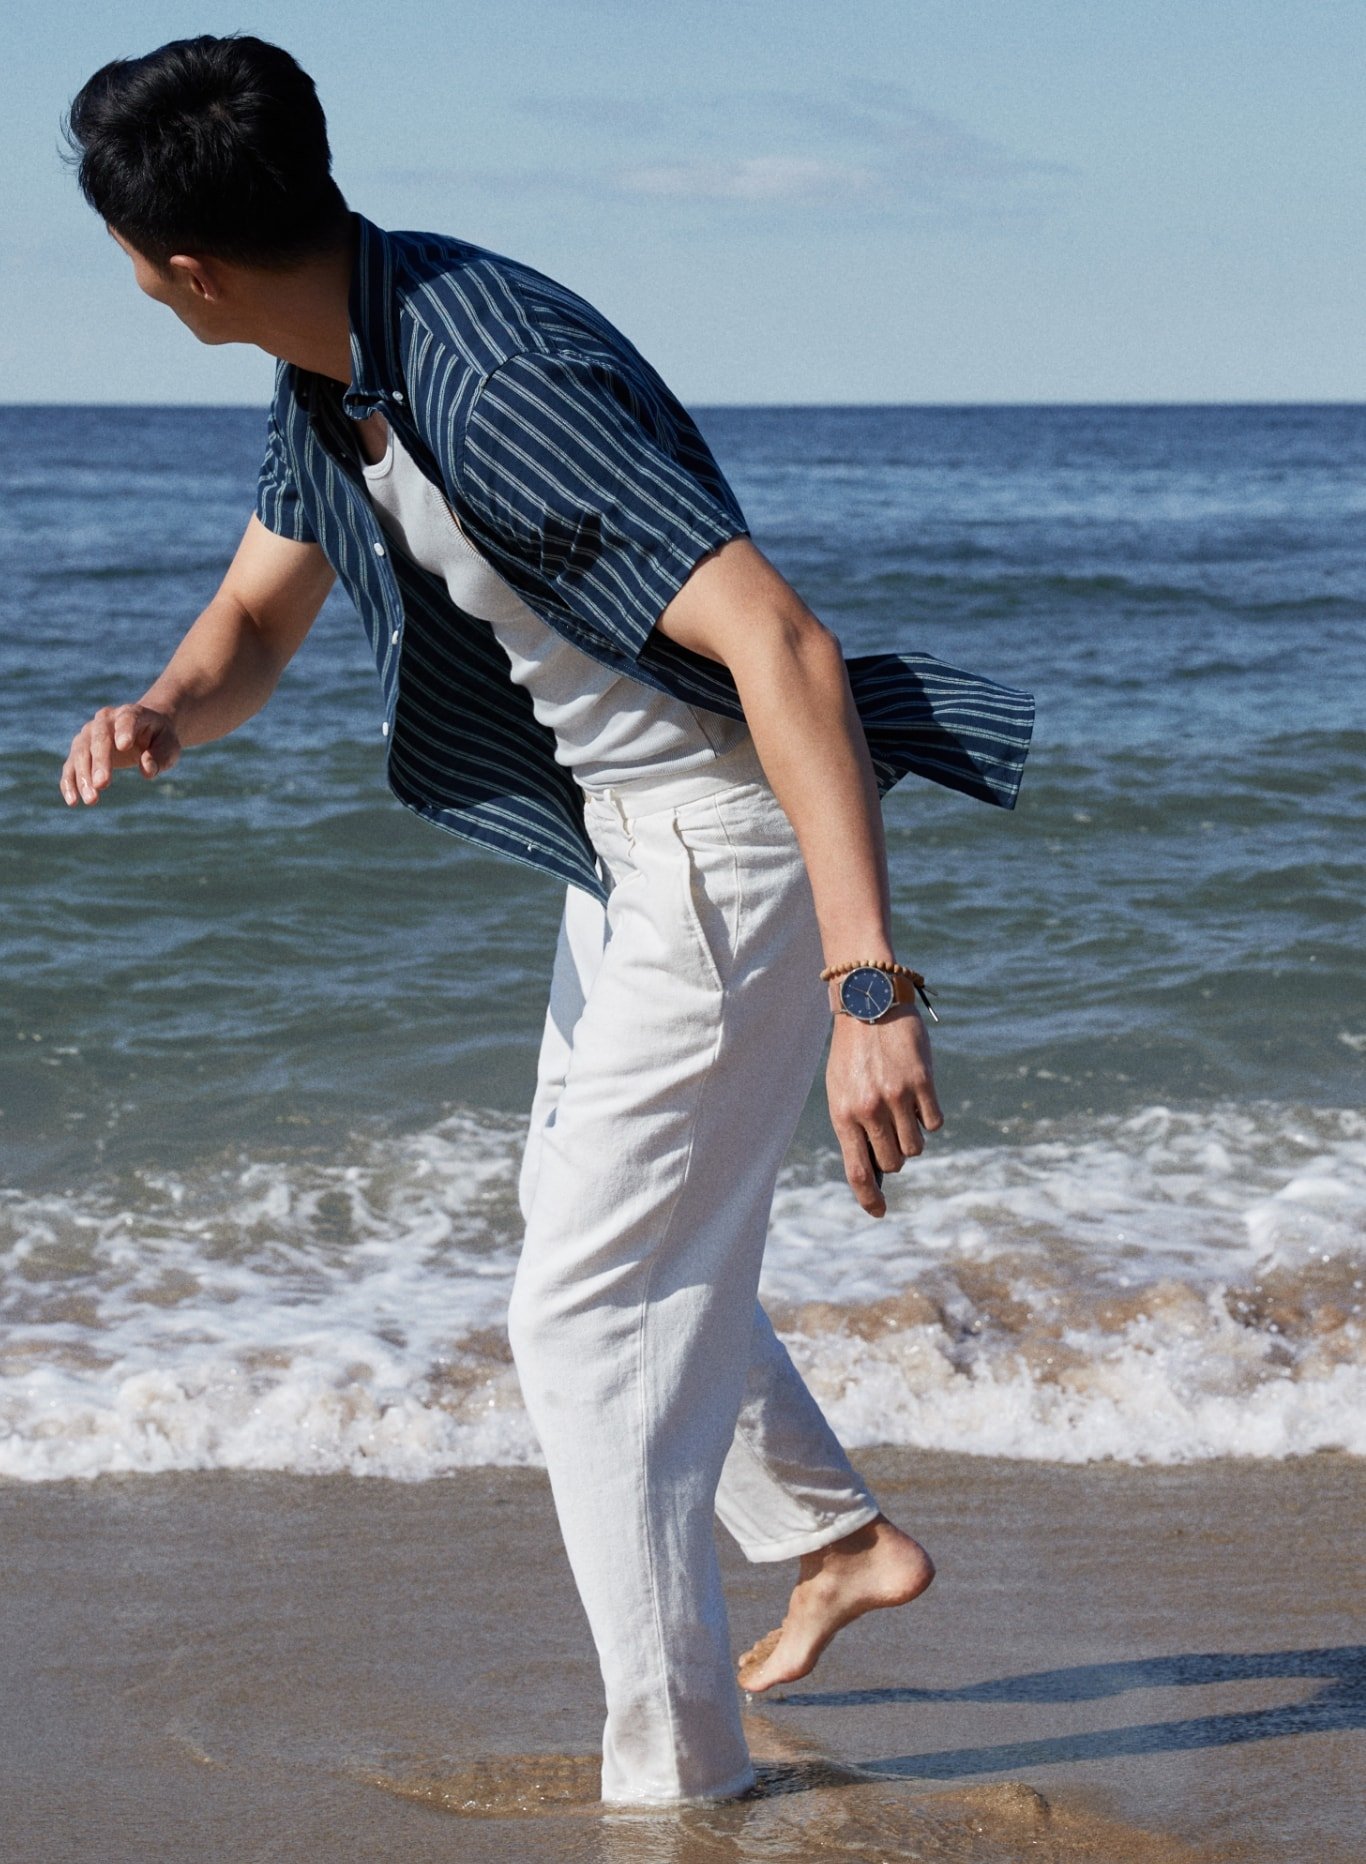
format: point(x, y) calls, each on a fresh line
point(379, 550)
point(394, 637)
point(384, 729)
point(395, 395)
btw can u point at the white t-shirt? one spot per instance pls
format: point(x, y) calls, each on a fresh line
point(608, 728)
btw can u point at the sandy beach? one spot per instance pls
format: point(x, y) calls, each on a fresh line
point(1113, 1663)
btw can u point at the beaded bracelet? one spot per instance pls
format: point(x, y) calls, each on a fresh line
point(870, 964)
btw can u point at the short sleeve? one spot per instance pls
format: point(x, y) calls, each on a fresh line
point(278, 504)
point(599, 484)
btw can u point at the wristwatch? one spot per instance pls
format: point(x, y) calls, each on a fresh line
point(869, 994)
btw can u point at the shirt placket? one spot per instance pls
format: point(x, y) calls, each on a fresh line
point(383, 622)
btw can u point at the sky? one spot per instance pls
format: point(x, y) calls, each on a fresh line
point(783, 200)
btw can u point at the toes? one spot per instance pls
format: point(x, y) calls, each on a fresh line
point(758, 1654)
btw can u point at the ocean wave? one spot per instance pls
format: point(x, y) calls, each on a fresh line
point(1160, 1287)
point(1011, 587)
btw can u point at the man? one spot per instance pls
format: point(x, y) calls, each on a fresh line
point(586, 665)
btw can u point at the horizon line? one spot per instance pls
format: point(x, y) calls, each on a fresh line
point(773, 406)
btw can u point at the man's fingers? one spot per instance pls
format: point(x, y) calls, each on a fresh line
point(917, 1108)
point(130, 725)
point(78, 768)
point(123, 732)
point(135, 731)
point(858, 1169)
point(144, 731)
point(880, 1127)
point(930, 1116)
point(67, 781)
point(138, 729)
point(116, 738)
point(101, 748)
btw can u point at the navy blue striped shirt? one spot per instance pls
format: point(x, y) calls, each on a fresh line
point(571, 466)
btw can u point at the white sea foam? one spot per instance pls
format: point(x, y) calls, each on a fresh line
point(1169, 1286)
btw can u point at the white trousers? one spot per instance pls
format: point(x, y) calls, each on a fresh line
point(685, 1025)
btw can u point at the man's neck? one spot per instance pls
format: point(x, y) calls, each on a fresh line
point(305, 315)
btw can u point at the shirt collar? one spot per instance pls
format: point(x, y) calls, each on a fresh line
point(376, 372)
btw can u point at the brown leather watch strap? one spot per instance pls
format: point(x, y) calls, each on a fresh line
point(903, 991)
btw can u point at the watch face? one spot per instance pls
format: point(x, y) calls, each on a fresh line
point(866, 993)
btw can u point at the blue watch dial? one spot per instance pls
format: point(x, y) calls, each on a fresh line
point(867, 993)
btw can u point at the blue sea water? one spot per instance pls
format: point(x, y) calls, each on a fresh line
point(267, 1040)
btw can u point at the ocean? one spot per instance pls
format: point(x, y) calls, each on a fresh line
point(267, 1040)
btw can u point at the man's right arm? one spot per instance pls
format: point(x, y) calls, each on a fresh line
point(221, 674)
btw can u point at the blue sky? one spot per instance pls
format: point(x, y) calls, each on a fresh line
point(802, 200)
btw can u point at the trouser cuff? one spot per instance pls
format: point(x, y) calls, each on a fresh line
point(791, 1546)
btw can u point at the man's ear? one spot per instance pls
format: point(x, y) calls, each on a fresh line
point(203, 276)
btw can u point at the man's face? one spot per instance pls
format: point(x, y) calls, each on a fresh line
point(192, 288)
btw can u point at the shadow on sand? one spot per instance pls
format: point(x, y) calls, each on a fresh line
point(1340, 1704)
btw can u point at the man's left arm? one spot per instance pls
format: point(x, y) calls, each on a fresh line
point(790, 674)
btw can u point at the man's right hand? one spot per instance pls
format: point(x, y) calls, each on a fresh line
point(117, 738)
point(223, 671)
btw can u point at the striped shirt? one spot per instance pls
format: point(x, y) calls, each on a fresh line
point(576, 472)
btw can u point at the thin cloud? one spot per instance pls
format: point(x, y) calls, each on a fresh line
point(750, 178)
point(886, 147)
point(876, 151)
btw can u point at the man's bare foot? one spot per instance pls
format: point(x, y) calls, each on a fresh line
point(876, 1565)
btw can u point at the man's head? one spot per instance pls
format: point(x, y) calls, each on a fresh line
point(204, 157)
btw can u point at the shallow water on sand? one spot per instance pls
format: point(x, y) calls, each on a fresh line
point(1160, 1665)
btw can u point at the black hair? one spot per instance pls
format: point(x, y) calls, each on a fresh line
point(209, 146)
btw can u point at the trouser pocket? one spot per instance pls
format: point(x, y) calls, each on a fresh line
point(710, 885)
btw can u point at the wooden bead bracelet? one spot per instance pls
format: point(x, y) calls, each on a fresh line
point(871, 964)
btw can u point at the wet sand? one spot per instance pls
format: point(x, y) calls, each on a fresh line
point(1113, 1664)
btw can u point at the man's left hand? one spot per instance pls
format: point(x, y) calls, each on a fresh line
point(880, 1085)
